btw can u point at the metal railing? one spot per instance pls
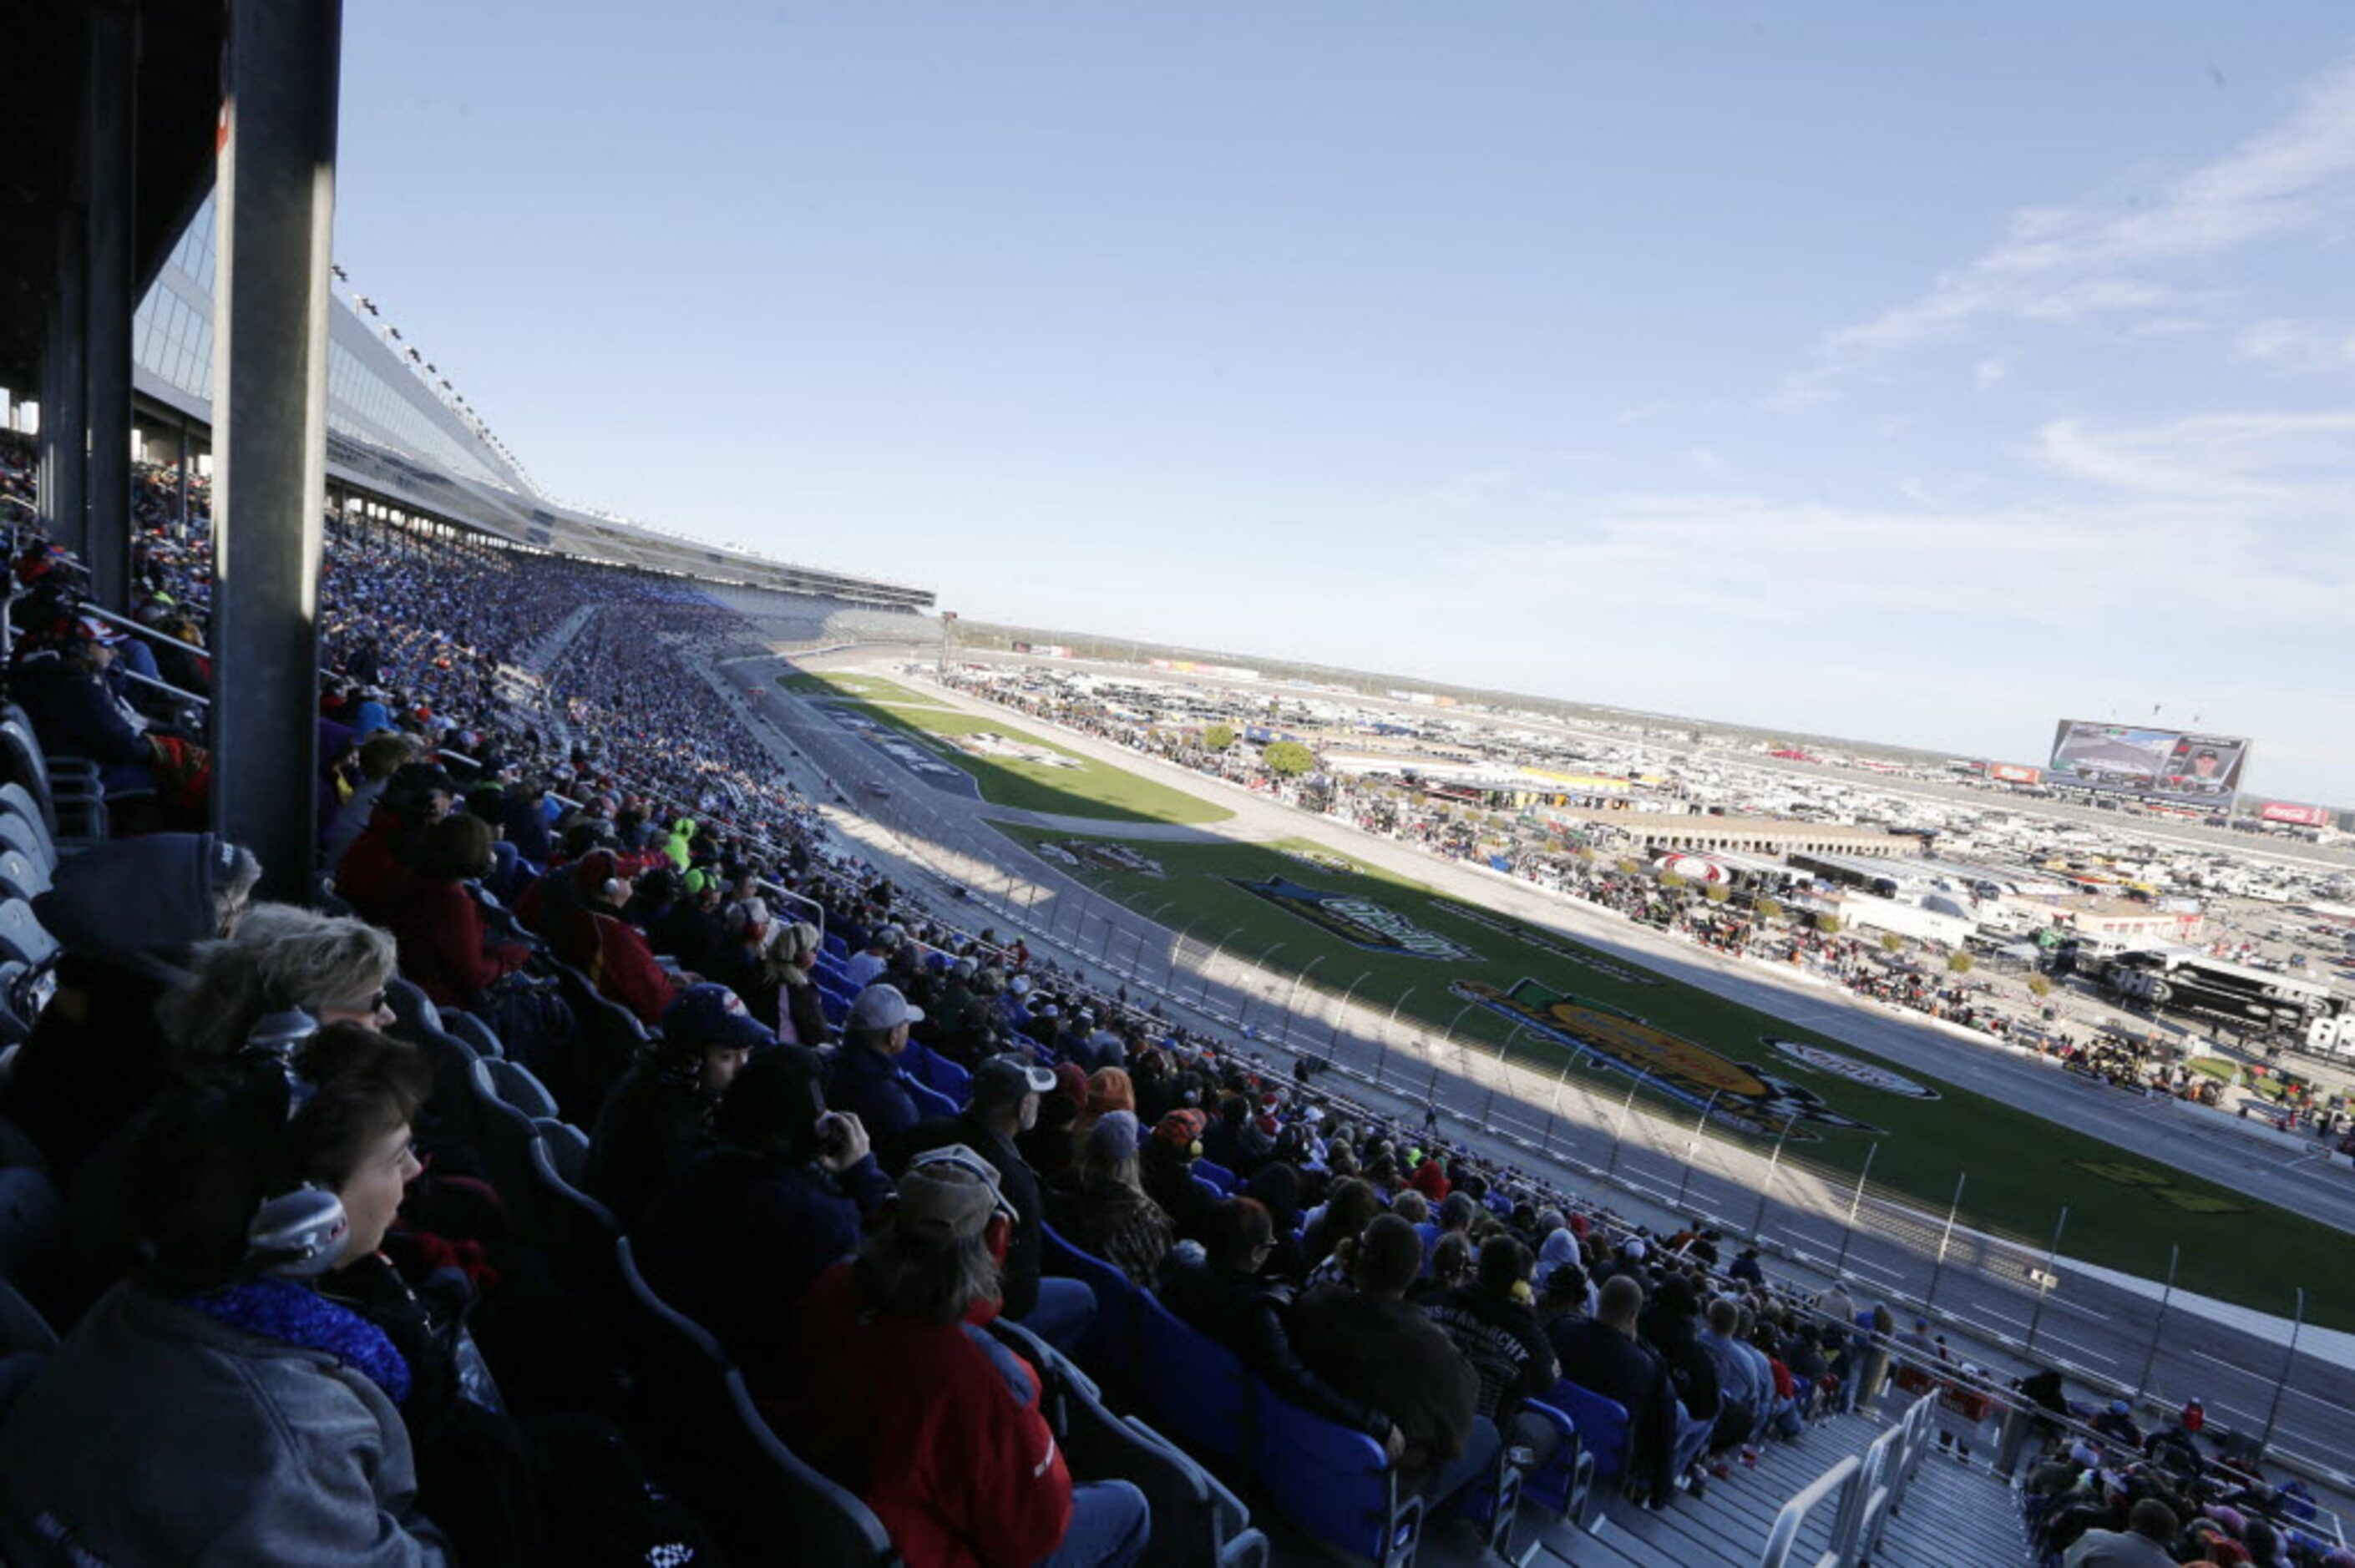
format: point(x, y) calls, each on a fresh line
point(1868, 1488)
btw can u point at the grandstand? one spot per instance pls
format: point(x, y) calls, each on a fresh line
point(544, 898)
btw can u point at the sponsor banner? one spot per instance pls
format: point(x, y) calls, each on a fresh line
point(1546, 942)
point(2307, 816)
point(1738, 1093)
point(1361, 922)
point(2014, 773)
point(1101, 856)
point(1869, 1074)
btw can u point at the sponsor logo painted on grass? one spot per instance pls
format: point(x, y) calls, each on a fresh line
point(1360, 922)
point(1322, 859)
point(1738, 1093)
point(1100, 857)
point(1545, 942)
point(2157, 1185)
point(1869, 1074)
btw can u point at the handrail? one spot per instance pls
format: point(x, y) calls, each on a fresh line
point(124, 621)
point(1792, 1516)
point(1869, 1488)
point(196, 697)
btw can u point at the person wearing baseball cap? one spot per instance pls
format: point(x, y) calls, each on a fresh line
point(1003, 1105)
point(889, 1384)
point(659, 1112)
point(864, 1076)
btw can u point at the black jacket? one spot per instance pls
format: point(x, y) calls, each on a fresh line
point(1387, 1354)
point(1503, 1342)
point(1600, 1359)
point(1248, 1317)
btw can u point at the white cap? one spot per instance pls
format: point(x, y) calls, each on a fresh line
point(882, 1006)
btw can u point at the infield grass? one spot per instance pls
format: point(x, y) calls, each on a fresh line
point(2125, 1209)
point(1072, 786)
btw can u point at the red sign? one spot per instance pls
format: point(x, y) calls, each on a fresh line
point(2304, 816)
point(2014, 772)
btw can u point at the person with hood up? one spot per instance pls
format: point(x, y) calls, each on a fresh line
point(128, 915)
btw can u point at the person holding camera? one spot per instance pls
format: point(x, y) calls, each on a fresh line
point(736, 1237)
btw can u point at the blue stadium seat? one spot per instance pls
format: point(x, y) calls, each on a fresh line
point(1601, 1423)
point(20, 877)
point(1565, 1481)
point(1109, 1351)
point(516, 1084)
point(1195, 1389)
point(937, 1072)
point(16, 802)
point(929, 1102)
point(22, 938)
point(1333, 1482)
point(410, 1005)
point(1197, 1522)
point(504, 1135)
point(834, 946)
point(1223, 1180)
point(476, 1035)
point(765, 1505)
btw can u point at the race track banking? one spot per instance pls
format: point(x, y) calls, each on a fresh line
point(1980, 1289)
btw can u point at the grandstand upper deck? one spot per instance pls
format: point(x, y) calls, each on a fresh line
point(398, 430)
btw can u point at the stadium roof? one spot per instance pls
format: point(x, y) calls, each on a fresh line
point(391, 433)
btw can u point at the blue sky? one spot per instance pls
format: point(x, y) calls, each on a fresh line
point(1924, 373)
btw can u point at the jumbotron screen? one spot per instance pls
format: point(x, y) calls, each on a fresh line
point(2157, 764)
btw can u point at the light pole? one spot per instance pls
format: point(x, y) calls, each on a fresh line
point(1333, 1046)
point(1293, 993)
point(1216, 948)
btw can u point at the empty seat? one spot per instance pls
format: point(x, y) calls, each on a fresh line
point(578, 1230)
point(1109, 1351)
point(516, 1084)
point(1223, 1180)
point(1602, 1425)
point(478, 1035)
point(22, 937)
point(765, 1505)
point(410, 1005)
point(504, 1136)
point(20, 877)
point(17, 801)
point(1195, 1518)
point(1195, 1389)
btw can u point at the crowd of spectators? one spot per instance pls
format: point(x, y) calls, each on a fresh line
point(300, 1314)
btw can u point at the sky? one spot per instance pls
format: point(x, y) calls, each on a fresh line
point(1914, 374)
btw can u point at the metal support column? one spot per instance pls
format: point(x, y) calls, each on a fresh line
point(65, 410)
point(110, 192)
point(277, 196)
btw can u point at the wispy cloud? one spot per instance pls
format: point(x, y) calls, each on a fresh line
point(2070, 266)
point(2297, 347)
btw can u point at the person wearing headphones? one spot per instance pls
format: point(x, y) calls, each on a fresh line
point(894, 1386)
point(214, 1406)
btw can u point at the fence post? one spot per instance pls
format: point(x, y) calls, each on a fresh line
point(1758, 1225)
point(1620, 1126)
point(1938, 1267)
point(1854, 1204)
point(2142, 1383)
point(1692, 1147)
point(2044, 1287)
point(2289, 1365)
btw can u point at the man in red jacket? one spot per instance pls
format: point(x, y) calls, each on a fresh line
point(893, 1385)
point(594, 938)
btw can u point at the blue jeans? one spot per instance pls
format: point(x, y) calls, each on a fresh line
point(1692, 1436)
point(1061, 1314)
point(1480, 1448)
point(1110, 1524)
